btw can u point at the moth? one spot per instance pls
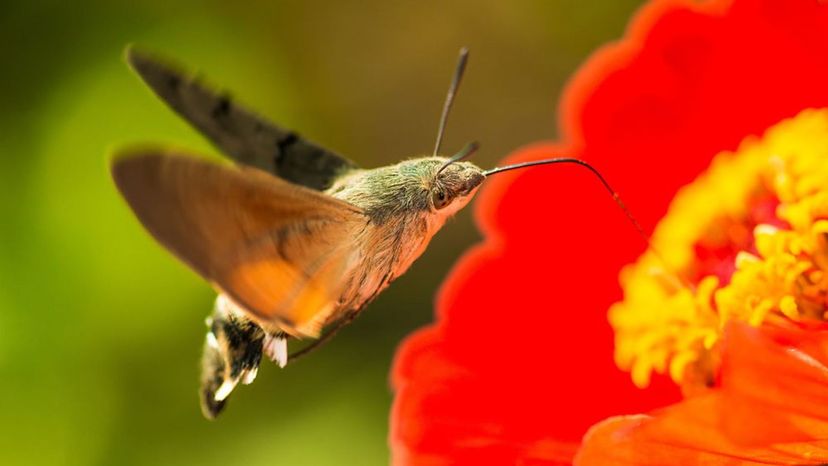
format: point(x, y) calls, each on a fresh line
point(293, 237)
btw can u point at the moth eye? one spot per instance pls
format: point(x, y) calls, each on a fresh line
point(439, 199)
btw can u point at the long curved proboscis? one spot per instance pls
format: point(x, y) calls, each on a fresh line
point(605, 183)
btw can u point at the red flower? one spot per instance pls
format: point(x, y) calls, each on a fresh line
point(520, 361)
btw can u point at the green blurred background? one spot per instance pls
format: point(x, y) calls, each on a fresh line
point(101, 330)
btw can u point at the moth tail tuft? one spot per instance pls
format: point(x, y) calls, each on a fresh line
point(232, 353)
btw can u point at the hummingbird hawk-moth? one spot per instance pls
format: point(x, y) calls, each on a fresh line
point(293, 237)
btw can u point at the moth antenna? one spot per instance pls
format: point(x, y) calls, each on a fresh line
point(455, 84)
point(615, 197)
point(464, 153)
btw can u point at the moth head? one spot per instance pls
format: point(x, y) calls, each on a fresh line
point(452, 184)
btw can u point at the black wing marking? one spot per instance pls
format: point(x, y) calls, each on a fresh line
point(241, 134)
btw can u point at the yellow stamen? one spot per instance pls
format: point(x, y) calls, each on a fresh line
point(750, 235)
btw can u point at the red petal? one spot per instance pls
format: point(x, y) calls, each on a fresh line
point(775, 385)
point(692, 79)
point(772, 408)
point(521, 352)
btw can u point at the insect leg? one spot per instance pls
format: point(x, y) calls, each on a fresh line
point(316, 344)
point(345, 320)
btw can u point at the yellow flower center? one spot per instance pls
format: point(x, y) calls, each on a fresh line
point(748, 240)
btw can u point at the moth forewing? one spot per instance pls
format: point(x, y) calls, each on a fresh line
point(238, 132)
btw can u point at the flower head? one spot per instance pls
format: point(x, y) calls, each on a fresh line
point(520, 361)
point(746, 241)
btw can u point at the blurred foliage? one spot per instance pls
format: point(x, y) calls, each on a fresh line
point(100, 329)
